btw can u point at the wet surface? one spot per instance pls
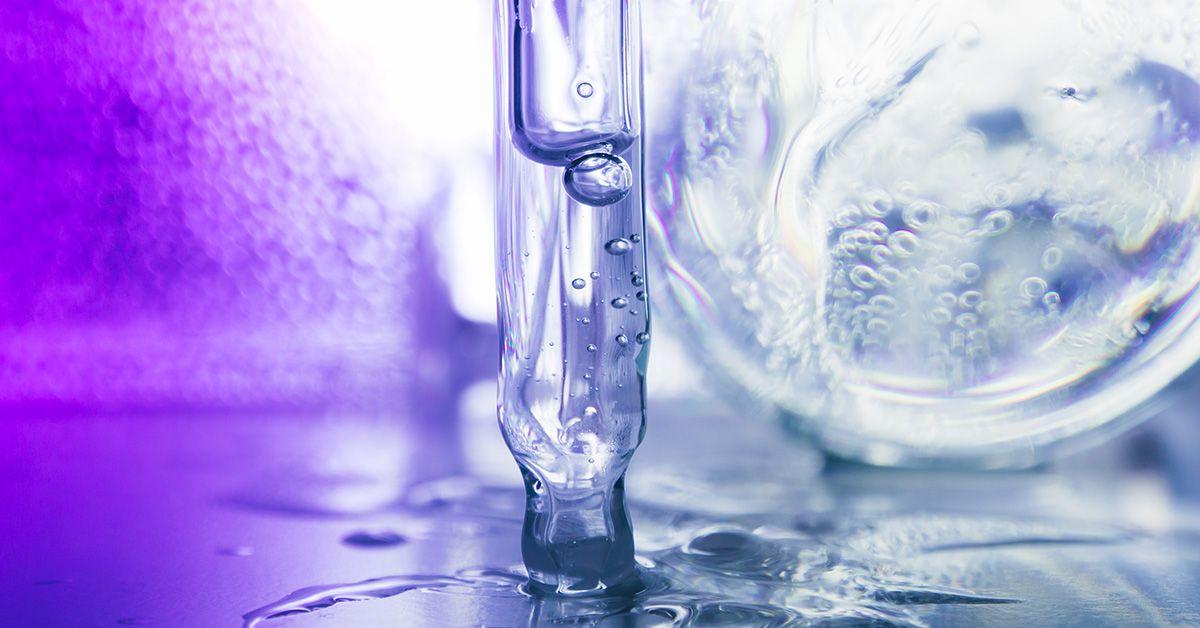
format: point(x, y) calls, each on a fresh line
point(186, 520)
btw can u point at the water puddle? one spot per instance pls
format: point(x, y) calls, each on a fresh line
point(700, 570)
point(309, 599)
point(374, 539)
point(720, 578)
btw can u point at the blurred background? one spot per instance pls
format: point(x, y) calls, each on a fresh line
point(237, 204)
point(247, 281)
point(243, 203)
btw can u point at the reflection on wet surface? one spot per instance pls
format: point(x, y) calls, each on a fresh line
point(727, 572)
point(286, 520)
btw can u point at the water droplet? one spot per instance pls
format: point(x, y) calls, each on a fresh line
point(636, 279)
point(591, 348)
point(998, 221)
point(620, 302)
point(999, 196)
point(863, 277)
point(585, 90)
point(1033, 287)
point(878, 203)
point(939, 316)
point(968, 272)
point(598, 179)
point(903, 243)
point(875, 231)
point(1052, 257)
point(641, 295)
point(585, 320)
point(374, 538)
point(1051, 299)
point(970, 299)
point(622, 340)
point(618, 246)
point(594, 274)
point(883, 303)
point(642, 338)
point(920, 214)
point(878, 326)
point(637, 237)
point(847, 217)
point(578, 284)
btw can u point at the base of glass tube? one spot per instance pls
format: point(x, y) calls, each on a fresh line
point(561, 548)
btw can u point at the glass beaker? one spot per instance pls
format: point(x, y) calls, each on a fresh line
point(931, 232)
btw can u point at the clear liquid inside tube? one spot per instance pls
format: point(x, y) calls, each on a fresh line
point(571, 266)
point(575, 78)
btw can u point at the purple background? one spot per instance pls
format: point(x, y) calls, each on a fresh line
point(236, 203)
point(246, 302)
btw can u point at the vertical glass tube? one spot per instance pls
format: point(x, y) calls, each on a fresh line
point(574, 316)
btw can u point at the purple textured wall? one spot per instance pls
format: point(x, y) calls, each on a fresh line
point(218, 202)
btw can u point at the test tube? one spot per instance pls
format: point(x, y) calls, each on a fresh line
point(571, 273)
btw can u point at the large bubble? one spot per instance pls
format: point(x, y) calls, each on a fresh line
point(598, 179)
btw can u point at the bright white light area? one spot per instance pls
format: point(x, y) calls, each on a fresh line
point(430, 63)
point(426, 70)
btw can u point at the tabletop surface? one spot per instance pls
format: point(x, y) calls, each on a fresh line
point(187, 518)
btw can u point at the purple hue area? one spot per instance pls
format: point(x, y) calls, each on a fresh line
point(190, 521)
point(193, 213)
point(210, 244)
